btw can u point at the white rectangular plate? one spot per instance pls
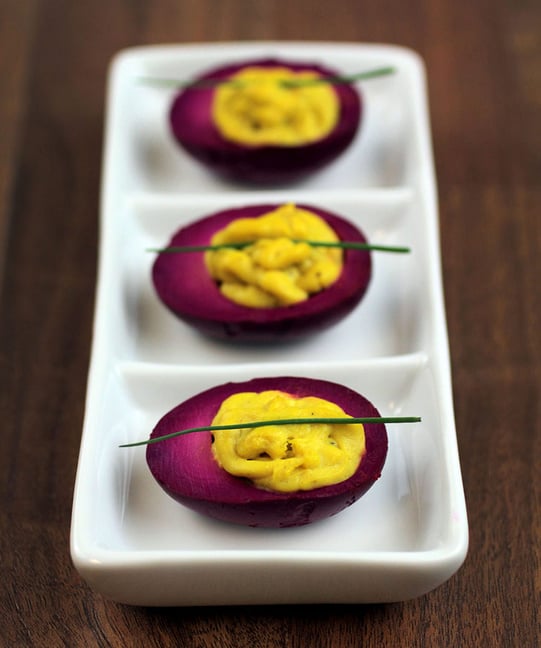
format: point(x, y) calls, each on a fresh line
point(409, 533)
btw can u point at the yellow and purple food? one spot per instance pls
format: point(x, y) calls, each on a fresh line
point(276, 475)
point(277, 286)
point(266, 121)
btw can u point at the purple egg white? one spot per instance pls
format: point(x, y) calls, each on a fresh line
point(184, 285)
point(193, 128)
point(185, 467)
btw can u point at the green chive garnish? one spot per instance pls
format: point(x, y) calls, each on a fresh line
point(292, 421)
point(184, 85)
point(339, 79)
point(348, 245)
point(286, 83)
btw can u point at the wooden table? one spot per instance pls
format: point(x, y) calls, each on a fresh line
point(484, 72)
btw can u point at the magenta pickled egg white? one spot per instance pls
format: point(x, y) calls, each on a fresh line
point(193, 128)
point(185, 467)
point(186, 288)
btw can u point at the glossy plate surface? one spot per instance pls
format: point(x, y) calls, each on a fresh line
point(409, 533)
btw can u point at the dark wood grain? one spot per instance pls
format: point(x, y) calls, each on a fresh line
point(484, 71)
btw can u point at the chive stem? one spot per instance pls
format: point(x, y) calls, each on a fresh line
point(339, 79)
point(348, 245)
point(286, 83)
point(292, 421)
point(184, 85)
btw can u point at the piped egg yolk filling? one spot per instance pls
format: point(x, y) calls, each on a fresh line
point(290, 457)
point(261, 106)
point(274, 270)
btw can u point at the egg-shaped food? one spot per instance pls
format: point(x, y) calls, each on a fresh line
point(189, 469)
point(287, 288)
point(266, 120)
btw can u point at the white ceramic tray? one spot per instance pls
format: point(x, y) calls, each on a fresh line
point(129, 540)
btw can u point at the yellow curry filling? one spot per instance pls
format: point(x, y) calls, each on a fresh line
point(274, 270)
point(259, 108)
point(286, 458)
